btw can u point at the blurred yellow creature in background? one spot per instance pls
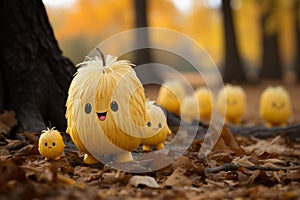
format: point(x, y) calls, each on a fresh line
point(157, 128)
point(231, 102)
point(205, 102)
point(51, 144)
point(190, 109)
point(275, 106)
point(170, 96)
point(106, 109)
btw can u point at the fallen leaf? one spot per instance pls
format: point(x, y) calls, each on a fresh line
point(7, 121)
point(141, 181)
point(177, 178)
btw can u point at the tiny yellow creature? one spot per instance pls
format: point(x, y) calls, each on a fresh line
point(275, 106)
point(190, 109)
point(157, 128)
point(106, 111)
point(170, 95)
point(205, 102)
point(231, 103)
point(51, 144)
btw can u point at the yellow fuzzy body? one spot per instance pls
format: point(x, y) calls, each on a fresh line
point(93, 124)
point(231, 102)
point(170, 96)
point(51, 144)
point(157, 128)
point(189, 109)
point(205, 102)
point(275, 106)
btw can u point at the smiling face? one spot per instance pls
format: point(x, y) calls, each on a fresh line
point(51, 144)
point(232, 102)
point(157, 120)
point(275, 106)
point(157, 128)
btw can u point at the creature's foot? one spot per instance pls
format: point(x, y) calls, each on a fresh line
point(283, 124)
point(57, 158)
point(146, 148)
point(269, 125)
point(47, 158)
point(89, 160)
point(125, 157)
point(160, 146)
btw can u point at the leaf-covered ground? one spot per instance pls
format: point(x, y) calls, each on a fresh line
point(238, 167)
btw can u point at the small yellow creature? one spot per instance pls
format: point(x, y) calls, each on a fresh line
point(157, 128)
point(51, 144)
point(275, 106)
point(190, 109)
point(231, 103)
point(170, 96)
point(205, 102)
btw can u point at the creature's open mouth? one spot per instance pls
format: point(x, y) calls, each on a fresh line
point(49, 147)
point(155, 129)
point(102, 116)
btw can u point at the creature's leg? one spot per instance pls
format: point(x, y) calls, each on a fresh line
point(146, 148)
point(269, 125)
point(57, 158)
point(283, 124)
point(160, 146)
point(125, 157)
point(90, 160)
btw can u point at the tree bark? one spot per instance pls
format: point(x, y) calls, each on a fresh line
point(297, 28)
point(271, 62)
point(233, 68)
point(35, 76)
point(143, 56)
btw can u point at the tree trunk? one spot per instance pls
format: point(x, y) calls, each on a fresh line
point(297, 27)
point(35, 76)
point(271, 63)
point(143, 56)
point(233, 68)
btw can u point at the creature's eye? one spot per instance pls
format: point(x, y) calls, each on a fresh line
point(273, 104)
point(88, 108)
point(149, 124)
point(53, 144)
point(159, 125)
point(114, 106)
point(46, 144)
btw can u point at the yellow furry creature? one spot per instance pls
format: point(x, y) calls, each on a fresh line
point(157, 128)
point(170, 96)
point(231, 103)
point(275, 106)
point(189, 109)
point(205, 102)
point(106, 111)
point(51, 144)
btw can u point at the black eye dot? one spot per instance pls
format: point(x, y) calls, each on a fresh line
point(88, 108)
point(149, 124)
point(46, 144)
point(53, 144)
point(114, 106)
point(159, 125)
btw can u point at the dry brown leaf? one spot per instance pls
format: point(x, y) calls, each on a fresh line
point(228, 143)
point(243, 161)
point(140, 181)
point(7, 121)
point(177, 178)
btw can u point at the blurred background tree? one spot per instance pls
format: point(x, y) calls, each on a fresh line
point(259, 39)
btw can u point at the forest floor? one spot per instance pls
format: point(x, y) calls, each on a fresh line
point(237, 168)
